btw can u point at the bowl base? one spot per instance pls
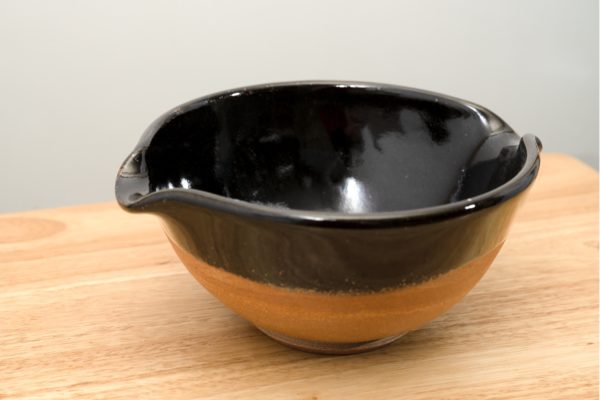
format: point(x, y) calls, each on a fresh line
point(330, 348)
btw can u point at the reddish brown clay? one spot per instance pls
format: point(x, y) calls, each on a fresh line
point(338, 317)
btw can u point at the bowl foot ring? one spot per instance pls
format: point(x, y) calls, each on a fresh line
point(330, 348)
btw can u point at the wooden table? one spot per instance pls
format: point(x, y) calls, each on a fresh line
point(94, 303)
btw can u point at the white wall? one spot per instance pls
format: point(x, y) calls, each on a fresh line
point(79, 81)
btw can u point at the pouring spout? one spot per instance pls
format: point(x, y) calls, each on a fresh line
point(132, 183)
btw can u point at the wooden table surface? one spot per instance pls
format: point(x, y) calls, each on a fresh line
point(94, 304)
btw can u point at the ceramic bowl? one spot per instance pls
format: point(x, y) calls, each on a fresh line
point(334, 216)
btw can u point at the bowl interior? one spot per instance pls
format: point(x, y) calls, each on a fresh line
point(336, 148)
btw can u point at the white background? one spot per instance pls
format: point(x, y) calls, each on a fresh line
point(80, 80)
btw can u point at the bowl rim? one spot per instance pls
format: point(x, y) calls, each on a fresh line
point(144, 203)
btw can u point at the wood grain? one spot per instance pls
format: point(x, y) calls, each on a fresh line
point(95, 304)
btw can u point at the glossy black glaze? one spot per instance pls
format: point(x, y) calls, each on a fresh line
point(331, 186)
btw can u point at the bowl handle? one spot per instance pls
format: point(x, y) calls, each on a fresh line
point(538, 142)
point(532, 143)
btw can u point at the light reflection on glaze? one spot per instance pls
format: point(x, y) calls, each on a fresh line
point(353, 197)
point(185, 183)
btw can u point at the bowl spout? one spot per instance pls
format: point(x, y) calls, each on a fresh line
point(132, 183)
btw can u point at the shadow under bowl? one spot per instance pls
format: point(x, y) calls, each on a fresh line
point(335, 216)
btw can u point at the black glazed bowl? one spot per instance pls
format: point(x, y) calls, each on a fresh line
point(335, 216)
